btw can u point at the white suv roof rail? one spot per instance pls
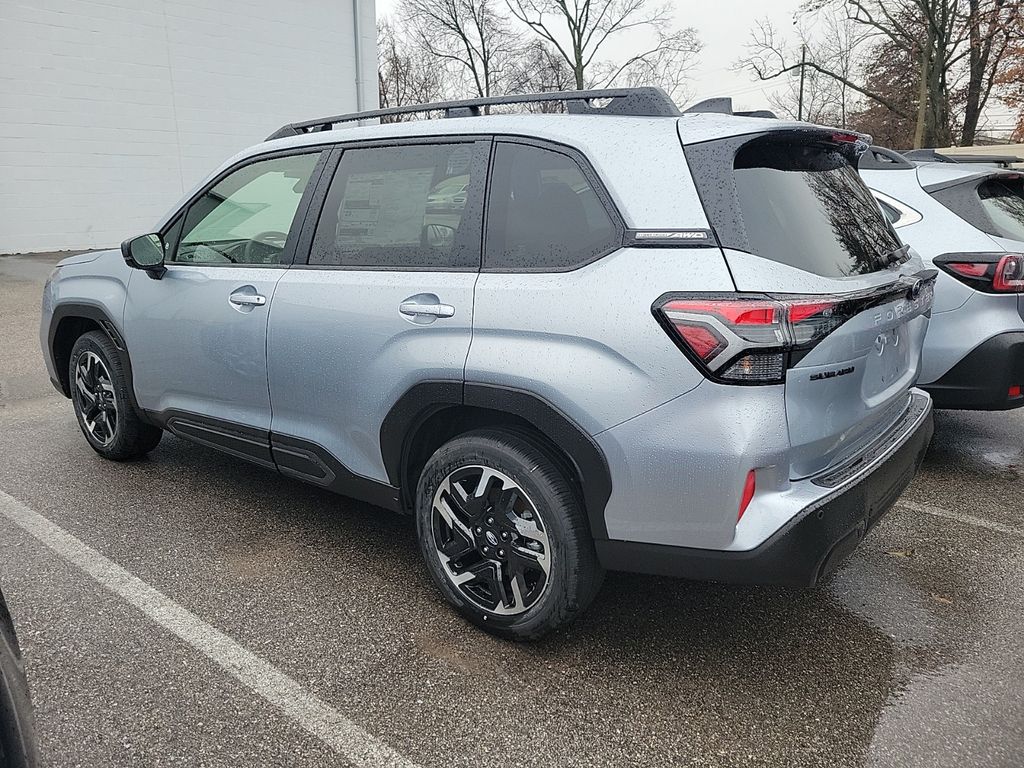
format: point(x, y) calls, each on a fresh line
point(639, 102)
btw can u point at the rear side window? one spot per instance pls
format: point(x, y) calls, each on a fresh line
point(1003, 201)
point(543, 213)
point(404, 207)
point(796, 201)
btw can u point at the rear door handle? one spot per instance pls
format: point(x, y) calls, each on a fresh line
point(413, 308)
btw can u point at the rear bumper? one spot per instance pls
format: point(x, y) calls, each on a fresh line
point(814, 542)
point(982, 380)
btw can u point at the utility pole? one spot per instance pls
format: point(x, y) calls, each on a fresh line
point(803, 62)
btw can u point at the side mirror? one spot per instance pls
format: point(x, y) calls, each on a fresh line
point(145, 252)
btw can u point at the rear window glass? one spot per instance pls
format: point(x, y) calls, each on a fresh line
point(806, 206)
point(1003, 201)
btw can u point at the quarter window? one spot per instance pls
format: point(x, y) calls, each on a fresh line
point(405, 207)
point(246, 216)
point(890, 213)
point(543, 212)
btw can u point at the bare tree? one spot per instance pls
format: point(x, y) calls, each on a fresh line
point(472, 36)
point(579, 30)
point(995, 31)
point(1011, 84)
point(829, 38)
point(405, 73)
point(950, 42)
point(541, 68)
point(886, 72)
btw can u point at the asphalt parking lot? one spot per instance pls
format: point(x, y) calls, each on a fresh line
point(192, 609)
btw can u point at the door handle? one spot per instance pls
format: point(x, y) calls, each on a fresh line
point(413, 308)
point(247, 299)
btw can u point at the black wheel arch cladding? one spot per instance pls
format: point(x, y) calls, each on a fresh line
point(86, 317)
point(401, 429)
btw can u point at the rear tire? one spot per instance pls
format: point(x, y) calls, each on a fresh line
point(102, 401)
point(504, 535)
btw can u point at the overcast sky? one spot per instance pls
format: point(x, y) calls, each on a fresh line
point(724, 27)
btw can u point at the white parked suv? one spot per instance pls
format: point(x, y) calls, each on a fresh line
point(967, 220)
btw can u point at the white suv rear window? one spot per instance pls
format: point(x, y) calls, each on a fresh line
point(807, 207)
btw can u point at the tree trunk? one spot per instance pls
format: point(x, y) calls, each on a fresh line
point(941, 136)
point(922, 93)
point(578, 65)
point(977, 63)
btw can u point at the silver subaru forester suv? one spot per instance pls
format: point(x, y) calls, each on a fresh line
point(618, 337)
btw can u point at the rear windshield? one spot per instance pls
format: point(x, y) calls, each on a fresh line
point(806, 206)
point(1003, 201)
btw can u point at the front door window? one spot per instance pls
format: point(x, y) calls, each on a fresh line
point(246, 216)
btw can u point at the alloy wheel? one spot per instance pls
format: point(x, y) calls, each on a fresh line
point(96, 397)
point(490, 540)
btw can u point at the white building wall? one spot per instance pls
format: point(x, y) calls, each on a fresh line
point(111, 110)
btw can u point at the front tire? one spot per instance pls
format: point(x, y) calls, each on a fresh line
point(102, 402)
point(504, 535)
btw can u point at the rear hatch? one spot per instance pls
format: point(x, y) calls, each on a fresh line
point(800, 230)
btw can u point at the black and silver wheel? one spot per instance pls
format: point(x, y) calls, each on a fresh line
point(99, 393)
point(504, 535)
point(95, 390)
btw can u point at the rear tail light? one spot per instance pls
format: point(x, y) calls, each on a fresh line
point(755, 339)
point(1009, 276)
point(987, 272)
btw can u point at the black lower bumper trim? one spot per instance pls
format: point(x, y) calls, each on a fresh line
point(808, 548)
point(982, 380)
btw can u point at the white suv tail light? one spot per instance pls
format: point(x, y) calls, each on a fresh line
point(987, 272)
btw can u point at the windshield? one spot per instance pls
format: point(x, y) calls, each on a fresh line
point(1003, 201)
point(806, 206)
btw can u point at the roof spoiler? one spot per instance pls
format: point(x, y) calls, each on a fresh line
point(883, 159)
point(722, 105)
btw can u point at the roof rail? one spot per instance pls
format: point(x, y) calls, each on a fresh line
point(722, 105)
point(1001, 161)
point(641, 102)
point(950, 156)
point(883, 159)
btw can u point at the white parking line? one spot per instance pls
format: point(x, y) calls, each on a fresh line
point(309, 712)
point(928, 509)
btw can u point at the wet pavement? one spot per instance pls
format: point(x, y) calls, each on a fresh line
point(910, 656)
